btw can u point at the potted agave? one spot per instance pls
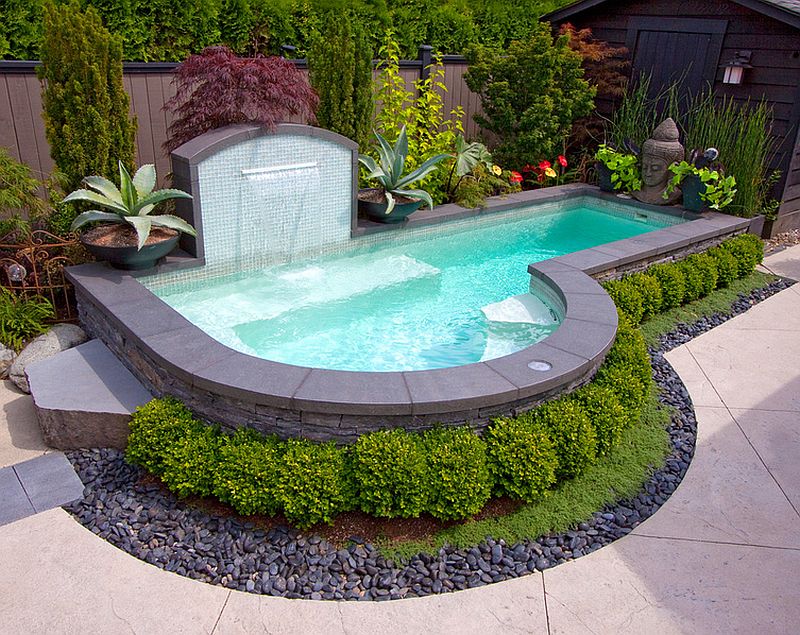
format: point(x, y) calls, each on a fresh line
point(393, 201)
point(129, 236)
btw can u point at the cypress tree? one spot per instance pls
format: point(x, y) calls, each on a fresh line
point(86, 108)
point(340, 70)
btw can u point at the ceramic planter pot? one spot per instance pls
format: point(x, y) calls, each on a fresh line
point(130, 258)
point(603, 177)
point(692, 186)
point(377, 211)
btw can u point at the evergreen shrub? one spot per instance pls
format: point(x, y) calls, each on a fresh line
point(389, 472)
point(571, 431)
point(522, 458)
point(673, 284)
point(459, 481)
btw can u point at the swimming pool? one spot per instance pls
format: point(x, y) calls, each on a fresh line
point(455, 295)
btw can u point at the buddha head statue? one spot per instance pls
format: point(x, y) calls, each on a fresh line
point(658, 153)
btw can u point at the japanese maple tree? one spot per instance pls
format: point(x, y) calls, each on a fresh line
point(217, 88)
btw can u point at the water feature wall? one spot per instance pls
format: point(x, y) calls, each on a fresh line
point(262, 198)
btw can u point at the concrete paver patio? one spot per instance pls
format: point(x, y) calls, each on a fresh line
point(721, 556)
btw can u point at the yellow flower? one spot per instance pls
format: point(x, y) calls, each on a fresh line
point(550, 172)
point(497, 170)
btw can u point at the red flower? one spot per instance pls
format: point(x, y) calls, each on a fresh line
point(544, 165)
point(515, 177)
point(528, 168)
point(562, 160)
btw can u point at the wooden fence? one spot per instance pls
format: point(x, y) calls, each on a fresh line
point(149, 87)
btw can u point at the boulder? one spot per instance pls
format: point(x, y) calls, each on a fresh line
point(59, 338)
point(7, 357)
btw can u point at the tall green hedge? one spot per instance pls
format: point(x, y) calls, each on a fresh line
point(86, 108)
point(165, 30)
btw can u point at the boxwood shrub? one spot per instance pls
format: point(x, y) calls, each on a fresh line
point(692, 280)
point(190, 462)
point(459, 481)
point(607, 414)
point(727, 266)
point(312, 484)
point(155, 428)
point(571, 431)
point(650, 292)
point(247, 473)
point(522, 458)
point(627, 297)
point(707, 267)
point(672, 284)
point(748, 251)
point(390, 473)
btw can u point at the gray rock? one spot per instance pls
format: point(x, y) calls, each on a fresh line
point(59, 338)
point(7, 357)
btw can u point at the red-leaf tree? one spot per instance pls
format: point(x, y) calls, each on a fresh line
point(216, 88)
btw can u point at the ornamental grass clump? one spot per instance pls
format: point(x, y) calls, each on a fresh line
point(459, 481)
point(389, 469)
point(247, 473)
point(522, 458)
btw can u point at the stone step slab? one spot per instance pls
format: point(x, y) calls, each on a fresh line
point(84, 397)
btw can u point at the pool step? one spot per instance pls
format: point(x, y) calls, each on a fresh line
point(84, 398)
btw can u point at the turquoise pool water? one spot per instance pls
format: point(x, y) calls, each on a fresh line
point(430, 303)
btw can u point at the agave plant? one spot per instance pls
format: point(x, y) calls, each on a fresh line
point(390, 172)
point(130, 203)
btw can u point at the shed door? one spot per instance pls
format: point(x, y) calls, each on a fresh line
point(672, 48)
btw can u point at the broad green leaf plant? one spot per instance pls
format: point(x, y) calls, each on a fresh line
point(390, 173)
point(624, 168)
point(719, 191)
point(131, 203)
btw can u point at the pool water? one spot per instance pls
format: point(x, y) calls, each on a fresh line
point(436, 302)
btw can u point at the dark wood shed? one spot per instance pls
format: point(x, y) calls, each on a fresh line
point(696, 39)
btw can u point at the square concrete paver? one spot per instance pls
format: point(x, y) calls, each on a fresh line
point(516, 606)
point(49, 481)
point(727, 494)
point(700, 389)
point(776, 438)
point(14, 504)
point(781, 312)
point(20, 437)
point(785, 262)
point(751, 369)
point(650, 585)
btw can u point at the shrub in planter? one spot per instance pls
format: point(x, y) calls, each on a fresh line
point(459, 481)
point(627, 297)
point(606, 413)
point(191, 460)
point(672, 282)
point(693, 281)
point(707, 267)
point(522, 458)
point(389, 473)
point(650, 291)
point(246, 475)
point(155, 427)
point(748, 251)
point(312, 482)
point(572, 434)
point(727, 266)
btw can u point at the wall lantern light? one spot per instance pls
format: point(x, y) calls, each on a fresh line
point(734, 68)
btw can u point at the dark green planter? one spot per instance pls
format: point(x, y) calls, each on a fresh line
point(603, 177)
point(130, 258)
point(377, 211)
point(692, 186)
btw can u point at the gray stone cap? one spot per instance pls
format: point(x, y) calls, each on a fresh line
point(182, 348)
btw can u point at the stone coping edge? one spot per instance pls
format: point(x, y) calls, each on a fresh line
point(573, 351)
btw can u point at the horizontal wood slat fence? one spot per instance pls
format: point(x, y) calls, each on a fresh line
point(149, 87)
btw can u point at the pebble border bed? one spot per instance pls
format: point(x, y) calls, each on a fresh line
point(154, 526)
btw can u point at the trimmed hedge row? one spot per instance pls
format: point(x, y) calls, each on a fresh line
point(665, 286)
point(449, 473)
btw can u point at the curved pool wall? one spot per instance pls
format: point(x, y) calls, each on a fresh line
point(171, 356)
